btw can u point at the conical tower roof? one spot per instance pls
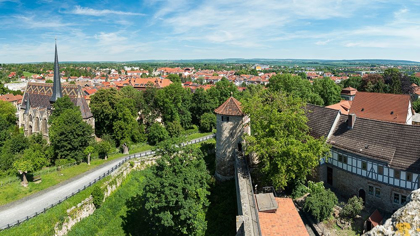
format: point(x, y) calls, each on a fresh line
point(57, 81)
point(231, 107)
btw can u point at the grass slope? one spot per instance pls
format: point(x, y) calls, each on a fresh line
point(14, 191)
point(44, 223)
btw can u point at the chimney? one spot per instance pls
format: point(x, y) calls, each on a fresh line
point(351, 120)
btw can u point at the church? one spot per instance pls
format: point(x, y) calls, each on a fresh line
point(38, 100)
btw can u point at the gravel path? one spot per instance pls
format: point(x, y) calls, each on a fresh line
point(28, 206)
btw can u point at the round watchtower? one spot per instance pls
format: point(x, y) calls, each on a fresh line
point(230, 128)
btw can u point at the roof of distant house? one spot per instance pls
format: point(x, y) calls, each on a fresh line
point(349, 91)
point(11, 98)
point(284, 222)
point(381, 106)
point(231, 107)
point(343, 106)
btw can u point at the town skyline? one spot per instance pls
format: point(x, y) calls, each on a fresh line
point(183, 30)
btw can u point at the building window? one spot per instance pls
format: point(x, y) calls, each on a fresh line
point(397, 174)
point(396, 198)
point(377, 192)
point(409, 176)
point(227, 118)
point(364, 165)
point(380, 170)
point(223, 118)
point(340, 158)
point(370, 190)
point(403, 199)
point(400, 199)
point(344, 159)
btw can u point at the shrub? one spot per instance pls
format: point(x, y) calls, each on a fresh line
point(157, 133)
point(98, 196)
point(353, 207)
point(315, 187)
point(174, 129)
point(207, 122)
point(320, 203)
point(299, 190)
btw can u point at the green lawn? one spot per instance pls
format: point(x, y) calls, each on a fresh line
point(27, 74)
point(14, 191)
point(44, 223)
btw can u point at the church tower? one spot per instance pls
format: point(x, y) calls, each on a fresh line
point(231, 125)
point(57, 93)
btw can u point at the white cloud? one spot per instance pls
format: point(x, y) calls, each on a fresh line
point(250, 23)
point(93, 12)
point(31, 22)
point(323, 42)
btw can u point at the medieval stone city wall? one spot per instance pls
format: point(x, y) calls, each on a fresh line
point(228, 135)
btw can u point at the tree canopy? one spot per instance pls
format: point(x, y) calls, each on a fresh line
point(280, 137)
point(69, 134)
point(174, 201)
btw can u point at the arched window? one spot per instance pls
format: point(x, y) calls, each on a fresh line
point(36, 125)
point(44, 128)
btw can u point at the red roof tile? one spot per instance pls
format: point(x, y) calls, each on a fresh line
point(381, 106)
point(231, 107)
point(284, 222)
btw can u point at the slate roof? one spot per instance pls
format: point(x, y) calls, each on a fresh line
point(320, 120)
point(231, 107)
point(396, 144)
point(381, 106)
point(40, 94)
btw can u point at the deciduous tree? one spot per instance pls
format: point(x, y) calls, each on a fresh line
point(175, 196)
point(280, 137)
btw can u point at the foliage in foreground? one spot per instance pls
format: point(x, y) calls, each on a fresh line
point(281, 138)
point(175, 200)
point(98, 196)
point(320, 203)
point(353, 207)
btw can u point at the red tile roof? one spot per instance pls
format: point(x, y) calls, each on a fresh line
point(343, 106)
point(11, 98)
point(381, 106)
point(231, 107)
point(284, 222)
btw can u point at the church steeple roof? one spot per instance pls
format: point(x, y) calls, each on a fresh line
point(57, 81)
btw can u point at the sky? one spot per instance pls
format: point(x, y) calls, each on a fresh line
point(102, 30)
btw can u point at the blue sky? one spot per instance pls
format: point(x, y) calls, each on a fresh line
point(106, 30)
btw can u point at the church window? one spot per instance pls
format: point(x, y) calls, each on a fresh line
point(364, 165)
point(380, 170)
point(397, 174)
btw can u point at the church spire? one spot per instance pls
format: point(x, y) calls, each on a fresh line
point(57, 81)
